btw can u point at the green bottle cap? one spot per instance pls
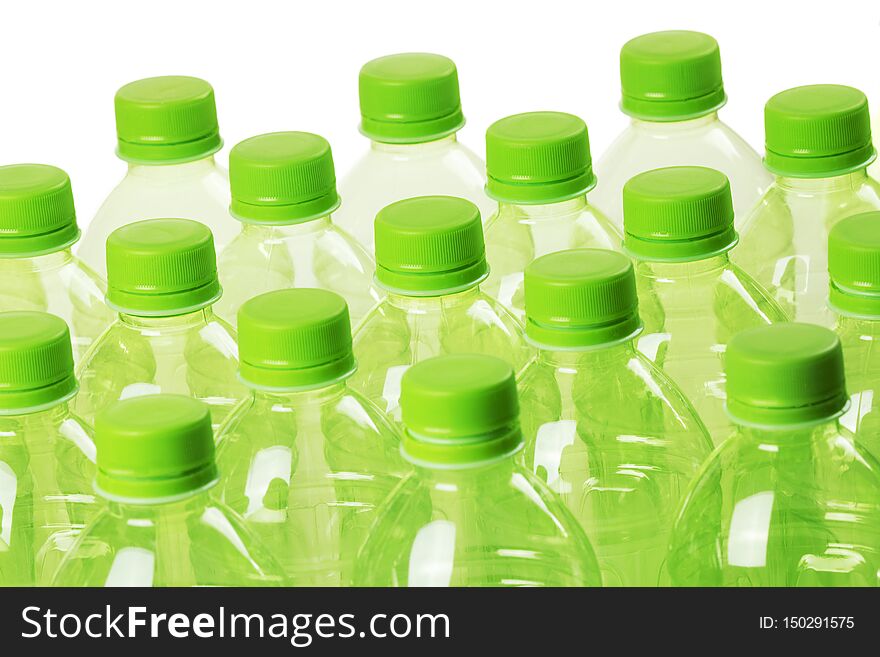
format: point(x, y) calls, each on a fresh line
point(854, 265)
point(459, 410)
point(36, 362)
point(580, 298)
point(294, 339)
point(678, 213)
point(36, 210)
point(671, 76)
point(429, 246)
point(282, 178)
point(409, 98)
point(784, 374)
point(817, 131)
point(166, 120)
point(538, 157)
point(161, 268)
point(154, 447)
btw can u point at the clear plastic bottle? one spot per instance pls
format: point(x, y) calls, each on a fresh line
point(305, 460)
point(470, 514)
point(37, 267)
point(693, 300)
point(283, 193)
point(411, 113)
point(167, 133)
point(818, 146)
point(47, 454)
point(161, 524)
point(672, 91)
point(604, 428)
point(166, 338)
point(430, 260)
point(540, 171)
point(788, 499)
point(854, 302)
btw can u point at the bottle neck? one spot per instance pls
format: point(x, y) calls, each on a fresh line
point(556, 210)
point(843, 182)
point(301, 397)
point(145, 512)
point(686, 268)
point(37, 263)
point(285, 231)
point(412, 149)
point(160, 171)
point(51, 414)
point(869, 327)
point(789, 439)
point(170, 322)
point(594, 357)
point(459, 479)
point(672, 127)
point(429, 304)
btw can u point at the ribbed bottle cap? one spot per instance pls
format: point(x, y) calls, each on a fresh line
point(784, 374)
point(678, 213)
point(154, 447)
point(282, 178)
point(671, 76)
point(36, 361)
point(409, 98)
point(817, 131)
point(161, 267)
point(36, 210)
point(459, 410)
point(580, 298)
point(294, 338)
point(854, 265)
point(538, 157)
point(166, 119)
point(430, 245)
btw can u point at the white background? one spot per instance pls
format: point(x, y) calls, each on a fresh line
point(293, 65)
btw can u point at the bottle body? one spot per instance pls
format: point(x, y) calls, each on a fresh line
point(47, 465)
point(517, 234)
point(392, 172)
point(307, 470)
point(619, 443)
point(60, 284)
point(439, 529)
point(315, 254)
point(691, 310)
point(795, 507)
point(193, 354)
point(195, 541)
point(193, 190)
point(860, 339)
point(704, 141)
point(784, 242)
point(401, 331)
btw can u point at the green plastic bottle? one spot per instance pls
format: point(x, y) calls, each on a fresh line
point(788, 499)
point(540, 171)
point(167, 133)
point(283, 193)
point(604, 428)
point(47, 454)
point(678, 226)
point(37, 267)
point(430, 260)
point(166, 338)
point(854, 301)
point(161, 524)
point(818, 142)
point(470, 514)
point(305, 459)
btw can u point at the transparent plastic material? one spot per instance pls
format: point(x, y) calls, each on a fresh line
point(790, 507)
point(619, 443)
point(402, 331)
point(60, 284)
point(306, 470)
point(47, 464)
point(517, 234)
point(784, 242)
point(691, 310)
point(391, 172)
point(194, 541)
point(704, 141)
point(193, 190)
point(311, 254)
point(860, 339)
point(193, 354)
point(485, 525)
